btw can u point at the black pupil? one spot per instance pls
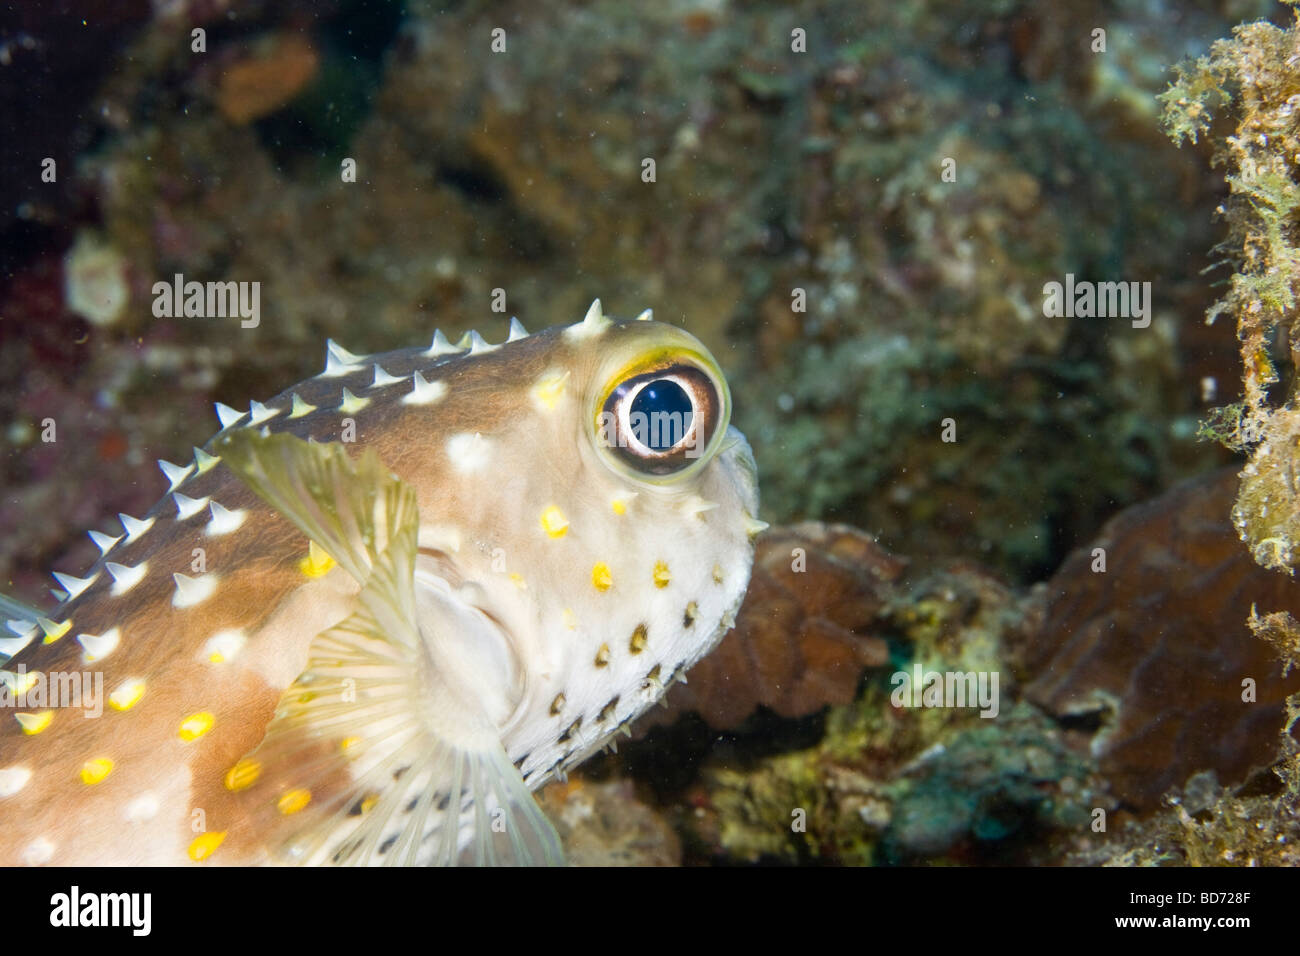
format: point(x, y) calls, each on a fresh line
point(661, 414)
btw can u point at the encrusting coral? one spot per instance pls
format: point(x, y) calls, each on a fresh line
point(1254, 74)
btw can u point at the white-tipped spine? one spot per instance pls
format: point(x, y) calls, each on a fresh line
point(441, 346)
point(135, 527)
point(383, 379)
point(175, 474)
point(424, 393)
point(103, 541)
point(479, 346)
point(593, 323)
point(74, 586)
point(227, 415)
point(224, 520)
point(187, 507)
point(259, 413)
point(125, 578)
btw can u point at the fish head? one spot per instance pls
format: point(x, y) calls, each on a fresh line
point(593, 528)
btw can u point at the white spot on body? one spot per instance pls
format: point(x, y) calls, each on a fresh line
point(99, 646)
point(143, 808)
point(224, 520)
point(13, 779)
point(469, 453)
point(38, 852)
point(124, 578)
point(192, 591)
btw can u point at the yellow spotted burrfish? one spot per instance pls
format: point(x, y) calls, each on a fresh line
point(373, 614)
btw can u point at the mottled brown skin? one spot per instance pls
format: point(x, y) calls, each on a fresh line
point(263, 591)
point(258, 569)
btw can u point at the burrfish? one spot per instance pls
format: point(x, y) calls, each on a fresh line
point(374, 613)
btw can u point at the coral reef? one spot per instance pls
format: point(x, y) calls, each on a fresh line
point(1252, 77)
point(604, 824)
point(891, 784)
point(1257, 824)
point(775, 171)
point(802, 637)
point(798, 220)
point(1145, 645)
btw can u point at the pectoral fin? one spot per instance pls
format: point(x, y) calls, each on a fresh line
point(349, 509)
point(373, 756)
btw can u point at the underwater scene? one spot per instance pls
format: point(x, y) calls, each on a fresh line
point(704, 433)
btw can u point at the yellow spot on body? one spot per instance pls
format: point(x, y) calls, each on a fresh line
point(369, 802)
point(639, 639)
point(602, 656)
point(549, 390)
point(127, 694)
point(347, 743)
point(601, 578)
point(33, 724)
point(570, 619)
point(661, 575)
point(243, 775)
point(619, 505)
point(94, 771)
point(196, 725)
point(518, 580)
point(223, 646)
point(293, 801)
point(317, 563)
point(554, 523)
point(557, 705)
point(205, 844)
point(717, 574)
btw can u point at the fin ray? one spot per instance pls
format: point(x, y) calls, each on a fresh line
point(373, 755)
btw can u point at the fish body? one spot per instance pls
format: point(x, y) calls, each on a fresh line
point(376, 611)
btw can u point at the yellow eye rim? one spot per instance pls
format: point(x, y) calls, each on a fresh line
point(654, 360)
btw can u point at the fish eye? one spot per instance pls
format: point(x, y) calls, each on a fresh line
point(661, 418)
